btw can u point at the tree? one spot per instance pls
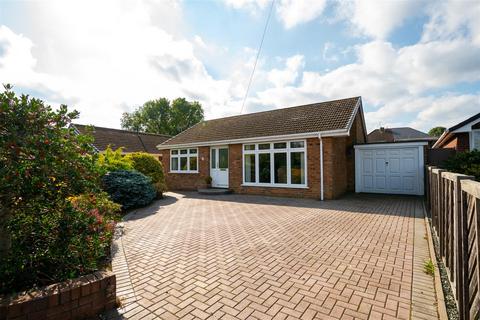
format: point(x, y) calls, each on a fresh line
point(41, 160)
point(163, 116)
point(436, 132)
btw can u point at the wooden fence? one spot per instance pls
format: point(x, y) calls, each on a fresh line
point(453, 201)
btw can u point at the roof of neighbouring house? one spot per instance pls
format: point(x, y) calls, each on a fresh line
point(311, 118)
point(397, 135)
point(448, 133)
point(131, 141)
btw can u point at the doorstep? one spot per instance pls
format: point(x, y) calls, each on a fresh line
point(214, 191)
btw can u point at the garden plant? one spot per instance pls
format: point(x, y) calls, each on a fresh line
point(55, 222)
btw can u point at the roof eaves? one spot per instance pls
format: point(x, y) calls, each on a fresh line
point(164, 142)
point(442, 139)
point(461, 124)
point(352, 116)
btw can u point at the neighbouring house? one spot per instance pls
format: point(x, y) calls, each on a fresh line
point(463, 136)
point(303, 151)
point(402, 134)
point(130, 141)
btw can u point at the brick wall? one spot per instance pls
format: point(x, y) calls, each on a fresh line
point(460, 142)
point(82, 298)
point(339, 161)
point(334, 167)
point(187, 181)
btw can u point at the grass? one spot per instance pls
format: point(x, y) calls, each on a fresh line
point(429, 268)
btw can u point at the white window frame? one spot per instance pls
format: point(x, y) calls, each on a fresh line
point(288, 150)
point(187, 155)
point(472, 139)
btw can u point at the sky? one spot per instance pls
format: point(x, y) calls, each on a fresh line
point(414, 63)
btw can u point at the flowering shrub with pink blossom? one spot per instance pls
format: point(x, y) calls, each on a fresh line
point(48, 233)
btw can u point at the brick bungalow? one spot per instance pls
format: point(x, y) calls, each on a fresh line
point(277, 152)
point(463, 136)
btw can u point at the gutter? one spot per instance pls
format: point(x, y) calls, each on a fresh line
point(329, 133)
point(321, 166)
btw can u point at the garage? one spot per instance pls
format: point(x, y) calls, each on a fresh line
point(391, 168)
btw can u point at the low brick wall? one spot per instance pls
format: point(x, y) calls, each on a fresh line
point(81, 298)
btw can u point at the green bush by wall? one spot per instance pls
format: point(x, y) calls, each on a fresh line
point(131, 189)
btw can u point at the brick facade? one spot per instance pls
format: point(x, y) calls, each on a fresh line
point(460, 142)
point(187, 181)
point(82, 298)
point(339, 168)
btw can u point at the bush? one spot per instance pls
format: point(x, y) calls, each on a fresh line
point(57, 244)
point(466, 163)
point(113, 160)
point(151, 167)
point(129, 188)
point(101, 201)
point(43, 163)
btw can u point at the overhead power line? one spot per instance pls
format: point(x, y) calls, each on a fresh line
point(258, 55)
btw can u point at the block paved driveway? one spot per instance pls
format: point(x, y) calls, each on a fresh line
point(250, 257)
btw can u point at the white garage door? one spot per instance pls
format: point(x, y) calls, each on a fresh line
point(389, 168)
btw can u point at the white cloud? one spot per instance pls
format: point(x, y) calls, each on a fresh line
point(294, 12)
point(326, 55)
point(253, 6)
point(439, 63)
point(289, 74)
point(452, 20)
point(116, 61)
point(289, 12)
point(379, 18)
point(396, 82)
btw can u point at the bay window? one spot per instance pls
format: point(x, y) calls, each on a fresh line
point(184, 160)
point(280, 164)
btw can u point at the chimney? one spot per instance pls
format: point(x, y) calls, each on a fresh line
point(382, 129)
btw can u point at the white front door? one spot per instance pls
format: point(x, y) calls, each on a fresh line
point(219, 166)
point(389, 170)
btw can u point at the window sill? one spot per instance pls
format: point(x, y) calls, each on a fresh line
point(183, 172)
point(274, 186)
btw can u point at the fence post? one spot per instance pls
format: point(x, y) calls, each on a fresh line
point(439, 209)
point(458, 235)
point(470, 190)
point(427, 189)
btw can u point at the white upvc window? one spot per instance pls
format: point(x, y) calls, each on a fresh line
point(275, 164)
point(475, 139)
point(184, 160)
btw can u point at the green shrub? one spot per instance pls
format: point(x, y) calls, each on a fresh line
point(151, 167)
point(43, 163)
point(100, 201)
point(55, 245)
point(466, 163)
point(129, 188)
point(113, 160)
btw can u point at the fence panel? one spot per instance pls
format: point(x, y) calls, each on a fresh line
point(453, 203)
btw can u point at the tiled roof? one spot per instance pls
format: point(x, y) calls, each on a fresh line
point(131, 141)
point(317, 117)
point(397, 135)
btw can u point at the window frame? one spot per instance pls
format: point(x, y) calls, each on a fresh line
point(187, 155)
point(472, 139)
point(288, 151)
